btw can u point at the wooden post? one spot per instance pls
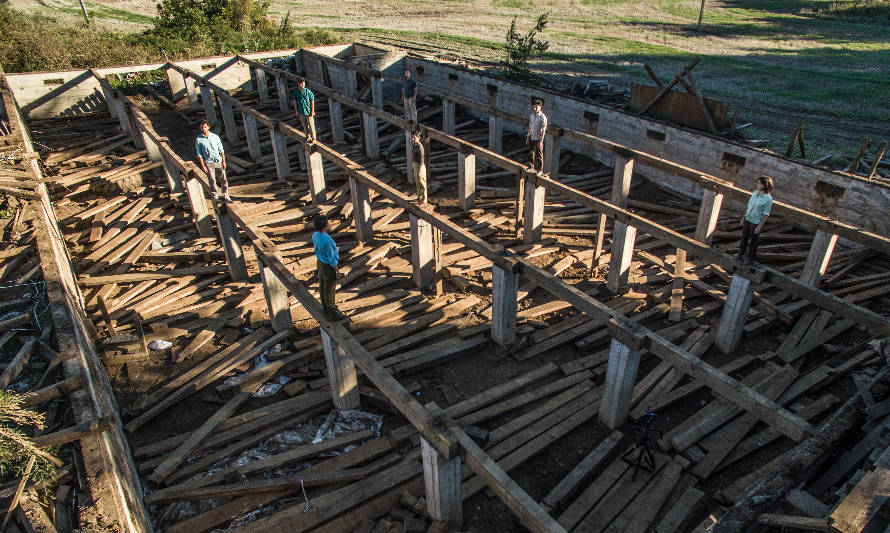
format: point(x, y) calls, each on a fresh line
point(253, 138)
point(427, 154)
point(283, 97)
point(533, 213)
point(231, 242)
point(191, 93)
point(279, 149)
point(423, 252)
point(336, 111)
point(409, 157)
point(372, 147)
point(448, 117)
point(252, 82)
point(361, 210)
point(277, 298)
point(442, 481)
point(466, 179)
point(623, 237)
point(341, 374)
point(177, 83)
point(174, 180)
point(817, 260)
point(708, 213)
point(552, 141)
point(198, 203)
point(505, 289)
point(154, 154)
point(350, 84)
point(496, 134)
point(624, 168)
point(377, 91)
point(735, 312)
point(315, 173)
point(134, 129)
point(621, 376)
point(209, 109)
point(262, 85)
point(228, 116)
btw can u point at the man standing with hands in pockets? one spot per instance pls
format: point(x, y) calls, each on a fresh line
point(304, 105)
point(212, 158)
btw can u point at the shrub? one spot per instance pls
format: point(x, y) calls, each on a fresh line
point(16, 448)
point(521, 48)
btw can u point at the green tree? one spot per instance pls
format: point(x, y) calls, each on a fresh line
point(521, 48)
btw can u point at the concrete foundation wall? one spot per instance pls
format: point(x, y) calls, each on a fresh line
point(799, 184)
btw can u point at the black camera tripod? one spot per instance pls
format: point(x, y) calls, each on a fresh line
point(645, 456)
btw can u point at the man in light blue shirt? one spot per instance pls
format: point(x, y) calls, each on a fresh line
point(212, 157)
point(327, 258)
point(759, 206)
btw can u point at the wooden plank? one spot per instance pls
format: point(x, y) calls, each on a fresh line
point(543, 410)
point(181, 453)
point(18, 362)
point(641, 512)
point(256, 487)
point(812, 342)
point(805, 523)
point(582, 472)
point(73, 433)
point(676, 517)
point(575, 513)
point(156, 275)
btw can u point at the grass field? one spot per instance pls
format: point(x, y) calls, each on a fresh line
point(777, 61)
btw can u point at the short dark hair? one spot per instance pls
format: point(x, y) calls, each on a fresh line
point(201, 125)
point(415, 133)
point(537, 101)
point(320, 222)
point(301, 80)
point(767, 183)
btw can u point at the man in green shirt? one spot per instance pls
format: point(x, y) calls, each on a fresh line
point(304, 105)
point(758, 210)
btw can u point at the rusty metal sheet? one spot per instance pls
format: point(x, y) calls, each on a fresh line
point(679, 107)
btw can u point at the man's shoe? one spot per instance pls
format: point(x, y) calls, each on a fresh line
point(738, 257)
point(748, 261)
point(228, 198)
point(340, 316)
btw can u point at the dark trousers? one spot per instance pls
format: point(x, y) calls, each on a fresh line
point(536, 154)
point(327, 281)
point(750, 240)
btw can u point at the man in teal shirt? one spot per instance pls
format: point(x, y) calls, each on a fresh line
point(212, 158)
point(327, 257)
point(758, 210)
point(304, 105)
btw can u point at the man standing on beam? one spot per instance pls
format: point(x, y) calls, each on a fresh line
point(409, 97)
point(304, 105)
point(212, 158)
point(327, 257)
point(534, 139)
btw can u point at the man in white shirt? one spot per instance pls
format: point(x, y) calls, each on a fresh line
point(212, 158)
point(534, 139)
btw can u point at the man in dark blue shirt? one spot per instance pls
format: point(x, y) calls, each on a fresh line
point(409, 97)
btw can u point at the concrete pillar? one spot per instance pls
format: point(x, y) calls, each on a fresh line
point(154, 153)
point(817, 260)
point(301, 159)
point(448, 116)
point(621, 376)
point(735, 312)
point(279, 149)
point(262, 85)
point(372, 146)
point(361, 211)
point(423, 252)
point(624, 169)
point(283, 97)
point(552, 141)
point(253, 138)
point(708, 213)
point(341, 374)
point(277, 298)
point(191, 93)
point(427, 154)
point(505, 289)
point(377, 91)
point(336, 111)
point(252, 82)
point(177, 83)
point(231, 242)
point(350, 84)
point(209, 109)
point(442, 481)
point(623, 237)
point(409, 158)
point(533, 212)
point(315, 173)
point(199, 207)
point(228, 117)
point(496, 134)
point(174, 179)
point(466, 180)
